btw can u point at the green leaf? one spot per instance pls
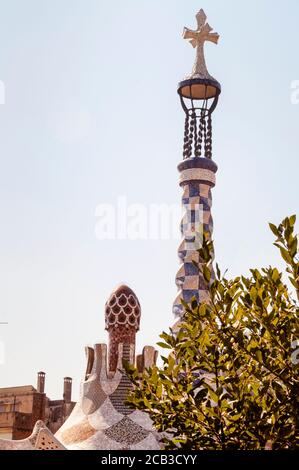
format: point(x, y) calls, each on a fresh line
point(259, 355)
point(293, 247)
point(235, 417)
point(206, 273)
point(275, 275)
point(292, 220)
point(147, 403)
point(213, 395)
point(294, 283)
point(274, 229)
point(159, 391)
point(286, 256)
point(259, 302)
point(253, 293)
point(164, 345)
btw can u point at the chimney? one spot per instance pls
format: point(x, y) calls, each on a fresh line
point(122, 319)
point(41, 382)
point(67, 389)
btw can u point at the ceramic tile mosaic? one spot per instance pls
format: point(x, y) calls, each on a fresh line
point(197, 219)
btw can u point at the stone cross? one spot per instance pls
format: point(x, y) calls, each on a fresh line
point(197, 39)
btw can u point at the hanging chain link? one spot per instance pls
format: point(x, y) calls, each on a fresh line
point(209, 137)
point(198, 135)
point(194, 121)
point(191, 135)
point(186, 139)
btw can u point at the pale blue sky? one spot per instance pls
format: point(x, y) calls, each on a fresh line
point(92, 113)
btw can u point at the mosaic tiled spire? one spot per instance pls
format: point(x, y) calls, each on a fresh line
point(122, 320)
point(101, 420)
point(199, 96)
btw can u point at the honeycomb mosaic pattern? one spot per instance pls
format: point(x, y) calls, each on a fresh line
point(122, 309)
point(101, 420)
point(122, 320)
point(197, 203)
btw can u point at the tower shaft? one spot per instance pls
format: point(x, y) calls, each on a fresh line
point(197, 178)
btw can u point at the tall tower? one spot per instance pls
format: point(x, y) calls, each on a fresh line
point(199, 94)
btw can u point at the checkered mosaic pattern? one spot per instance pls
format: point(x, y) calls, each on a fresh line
point(101, 420)
point(197, 202)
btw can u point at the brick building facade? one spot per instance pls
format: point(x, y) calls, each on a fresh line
point(21, 407)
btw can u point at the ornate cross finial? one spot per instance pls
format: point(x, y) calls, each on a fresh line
point(197, 39)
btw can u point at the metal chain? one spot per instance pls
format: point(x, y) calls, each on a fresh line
point(205, 136)
point(198, 135)
point(201, 130)
point(194, 121)
point(191, 135)
point(186, 138)
point(209, 137)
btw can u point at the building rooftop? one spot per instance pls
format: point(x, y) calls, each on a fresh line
point(18, 389)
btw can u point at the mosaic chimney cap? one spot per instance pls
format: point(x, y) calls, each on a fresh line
point(122, 309)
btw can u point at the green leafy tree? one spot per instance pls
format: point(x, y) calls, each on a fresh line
point(230, 380)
